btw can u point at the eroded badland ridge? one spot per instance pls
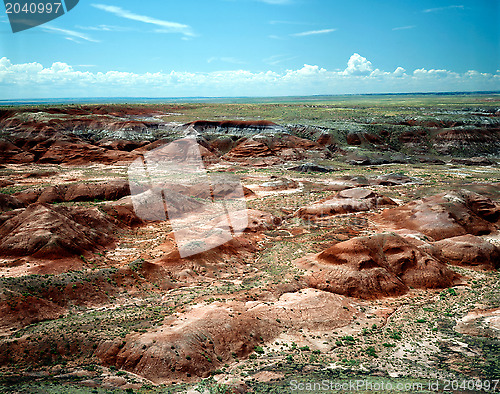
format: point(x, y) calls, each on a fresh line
point(370, 249)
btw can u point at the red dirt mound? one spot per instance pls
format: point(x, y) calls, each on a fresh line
point(17, 311)
point(346, 201)
point(10, 153)
point(217, 189)
point(475, 140)
point(353, 139)
point(286, 142)
point(53, 232)
point(444, 215)
point(82, 153)
point(8, 202)
point(124, 212)
point(256, 220)
point(248, 149)
point(236, 249)
point(469, 251)
point(5, 183)
point(285, 147)
point(377, 266)
point(38, 297)
point(278, 183)
point(146, 204)
point(112, 190)
point(208, 336)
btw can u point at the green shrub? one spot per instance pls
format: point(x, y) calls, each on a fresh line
point(258, 349)
point(371, 351)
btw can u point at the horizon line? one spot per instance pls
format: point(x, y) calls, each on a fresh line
point(88, 100)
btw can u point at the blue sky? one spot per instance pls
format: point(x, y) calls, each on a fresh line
point(254, 48)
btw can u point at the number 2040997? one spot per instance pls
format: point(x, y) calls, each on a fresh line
point(33, 8)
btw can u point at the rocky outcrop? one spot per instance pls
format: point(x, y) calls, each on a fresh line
point(311, 167)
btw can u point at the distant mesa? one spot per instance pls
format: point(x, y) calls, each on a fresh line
point(234, 126)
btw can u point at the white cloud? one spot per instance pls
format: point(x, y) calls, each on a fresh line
point(437, 9)
point(423, 73)
point(33, 80)
point(358, 65)
point(70, 34)
point(399, 72)
point(307, 71)
point(313, 32)
point(166, 26)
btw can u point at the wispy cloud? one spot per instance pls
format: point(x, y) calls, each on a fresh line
point(313, 32)
point(104, 28)
point(443, 8)
point(277, 59)
point(404, 27)
point(166, 26)
point(70, 34)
